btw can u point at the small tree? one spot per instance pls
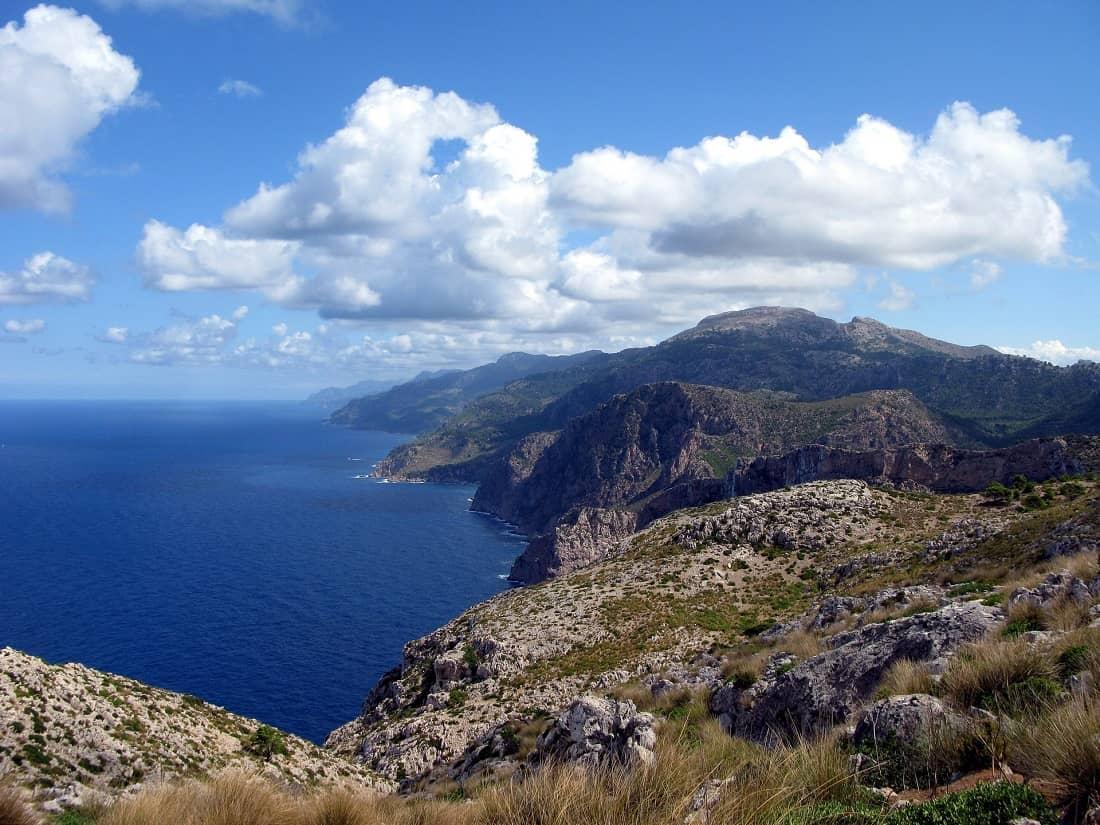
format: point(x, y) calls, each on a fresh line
point(266, 742)
point(998, 493)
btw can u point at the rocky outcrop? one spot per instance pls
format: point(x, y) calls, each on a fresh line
point(792, 700)
point(909, 718)
point(937, 467)
point(808, 517)
point(89, 735)
point(596, 732)
point(584, 537)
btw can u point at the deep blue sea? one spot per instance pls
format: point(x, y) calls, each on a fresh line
point(227, 550)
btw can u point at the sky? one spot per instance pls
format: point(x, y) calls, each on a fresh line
point(260, 198)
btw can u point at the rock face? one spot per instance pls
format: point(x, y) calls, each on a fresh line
point(105, 734)
point(594, 732)
point(663, 435)
point(804, 699)
point(936, 467)
point(909, 718)
point(660, 448)
point(584, 537)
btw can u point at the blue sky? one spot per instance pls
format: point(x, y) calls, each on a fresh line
point(547, 177)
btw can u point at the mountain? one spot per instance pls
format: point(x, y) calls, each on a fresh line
point(332, 398)
point(989, 399)
point(659, 436)
point(426, 402)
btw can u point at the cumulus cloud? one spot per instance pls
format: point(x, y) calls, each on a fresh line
point(284, 11)
point(882, 196)
point(239, 88)
point(190, 341)
point(46, 278)
point(429, 209)
point(204, 258)
point(1055, 352)
point(59, 77)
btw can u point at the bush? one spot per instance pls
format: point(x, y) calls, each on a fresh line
point(1023, 618)
point(992, 804)
point(266, 742)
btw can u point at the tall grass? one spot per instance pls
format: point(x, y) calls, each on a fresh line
point(1062, 746)
point(14, 809)
point(995, 671)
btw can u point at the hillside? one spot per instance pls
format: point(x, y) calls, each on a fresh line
point(82, 735)
point(990, 399)
point(802, 598)
point(427, 401)
point(660, 436)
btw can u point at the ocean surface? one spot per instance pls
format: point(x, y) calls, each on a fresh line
point(227, 550)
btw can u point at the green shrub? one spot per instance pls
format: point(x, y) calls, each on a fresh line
point(993, 804)
point(1073, 659)
point(75, 818)
point(266, 742)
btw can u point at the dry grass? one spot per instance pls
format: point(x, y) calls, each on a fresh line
point(989, 669)
point(14, 809)
point(801, 643)
point(1062, 747)
point(761, 786)
point(905, 677)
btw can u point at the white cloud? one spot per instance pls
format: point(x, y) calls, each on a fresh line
point(115, 335)
point(284, 11)
point(59, 77)
point(204, 258)
point(46, 278)
point(191, 341)
point(27, 327)
point(239, 88)
point(882, 196)
point(984, 273)
point(431, 211)
point(900, 298)
point(1055, 352)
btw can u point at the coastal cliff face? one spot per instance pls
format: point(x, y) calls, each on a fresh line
point(937, 467)
point(661, 448)
point(663, 435)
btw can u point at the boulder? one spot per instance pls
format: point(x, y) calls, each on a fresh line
point(1054, 588)
point(594, 731)
point(810, 697)
point(910, 718)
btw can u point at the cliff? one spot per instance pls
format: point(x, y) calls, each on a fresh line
point(938, 467)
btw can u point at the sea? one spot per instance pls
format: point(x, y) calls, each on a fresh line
point(234, 551)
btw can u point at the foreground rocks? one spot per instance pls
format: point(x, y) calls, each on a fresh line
point(597, 732)
point(87, 735)
point(797, 700)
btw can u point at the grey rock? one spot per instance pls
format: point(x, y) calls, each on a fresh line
point(594, 732)
point(826, 689)
point(908, 718)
